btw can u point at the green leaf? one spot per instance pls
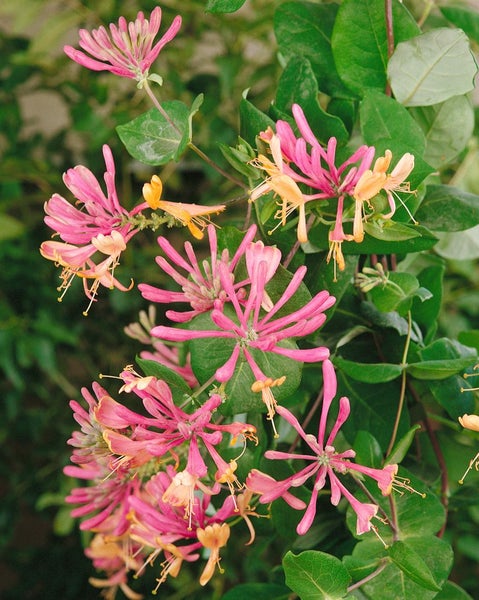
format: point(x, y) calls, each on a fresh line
point(462, 245)
point(446, 208)
point(451, 591)
point(316, 575)
point(401, 238)
point(432, 67)
point(382, 117)
point(298, 85)
point(390, 231)
point(396, 293)
point(412, 565)
point(448, 127)
point(223, 6)
point(359, 41)
point(393, 583)
point(252, 121)
point(401, 447)
point(179, 388)
point(448, 392)
point(368, 373)
point(427, 312)
point(369, 410)
point(438, 369)
point(152, 139)
point(368, 451)
point(265, 591)
point(304, 29)
point(464, 18)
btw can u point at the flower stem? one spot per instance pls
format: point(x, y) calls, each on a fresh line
point(382, 565)
point(388, 12)
point(402, 395)
point(191, 145)
point(212, 164)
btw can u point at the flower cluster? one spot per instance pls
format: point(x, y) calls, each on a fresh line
point(98, 224)
point(152, 478)
point(161, 467)
point(303, 160)
point(323, 463)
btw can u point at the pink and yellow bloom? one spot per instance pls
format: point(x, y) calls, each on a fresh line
point(373, 181)
point(324, 462)
point(127, 49)
point(199, 281)
point(253, 330)
point(193, 216)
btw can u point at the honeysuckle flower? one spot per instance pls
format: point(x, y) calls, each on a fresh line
point(193, 216)
point(252, 330)
point(200, 281)
point(95, 213)
point(303, 160)
point(316, 167)
point(213, 537)
point(127, 49)
point(77, 262)
point(323, 463)
point(166, 428)
point(105, 499)
point(283, 185)
point(470, 422)
point(373, 181)
point(161, 525)
point(114, 556)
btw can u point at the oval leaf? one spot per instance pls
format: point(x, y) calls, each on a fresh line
point(359, 41)
point(432, 67)
point(368, 373)
point(316, 575)
point(152, 139)
point(412, 565)
point(446, 208)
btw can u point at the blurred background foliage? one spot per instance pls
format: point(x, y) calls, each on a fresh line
point(55, 115)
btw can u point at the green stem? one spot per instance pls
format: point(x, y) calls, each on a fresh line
point(402, 395)
point(191, 145)
point(382, 565)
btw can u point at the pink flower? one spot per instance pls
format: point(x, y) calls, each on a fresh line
point(200, 282)
point(167, 428)
point(161, 525)
point(253, 330)
point(128, 49)
point(323, 463)
point(316, 165)
point(97, 213)
point(76, 262)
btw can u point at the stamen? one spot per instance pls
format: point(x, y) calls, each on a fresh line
point(473, 463)
point(402, 483)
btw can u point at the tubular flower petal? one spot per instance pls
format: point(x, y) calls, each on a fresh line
point(127, 50)
point(323, 463)
point(200, 282)
point(193, 216)
point(373, 181)
point(252, 330)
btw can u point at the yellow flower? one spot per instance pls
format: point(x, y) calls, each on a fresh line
point(470, 422)
point(193, 216)
point(264, 386)
point(283, 186)
point(372, 182)
point(212, 537)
